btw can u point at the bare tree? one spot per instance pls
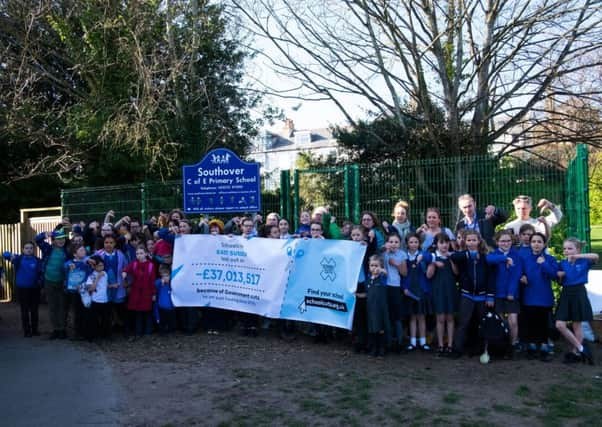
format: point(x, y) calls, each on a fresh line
point(495, 67)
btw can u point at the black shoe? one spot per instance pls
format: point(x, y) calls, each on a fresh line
point(35, 333)
point(54, 335)
point(545, 356)
point(587, 355)
point(410, 348)
point(381, 352)
point(532, 353)
point(425, 348)
point(571, 357)
point(27, 334)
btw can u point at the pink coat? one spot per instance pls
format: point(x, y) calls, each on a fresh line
point(141, 277)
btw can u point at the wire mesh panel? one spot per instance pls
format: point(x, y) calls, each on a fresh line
point(92, 203)
point(577, 201)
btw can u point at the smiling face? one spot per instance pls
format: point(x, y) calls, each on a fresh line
point(537, 244)
point(443, 246)
point(109, 245)
point(504, 242)
point(413, 244)
point(140, 254)
point(400, 214)
point(357, 235)
point(305, 218)
point(394, 243)
point(432, 219)
point(80, 252)
point(316, 230)
point(368, 221)
point(283, 226)
point(467, 206)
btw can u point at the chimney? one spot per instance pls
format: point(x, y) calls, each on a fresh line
point(289, 127)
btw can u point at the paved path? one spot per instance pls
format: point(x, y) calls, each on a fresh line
point(55, 383)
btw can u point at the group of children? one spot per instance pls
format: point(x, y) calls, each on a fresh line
point(459, 279)
point(120, 273)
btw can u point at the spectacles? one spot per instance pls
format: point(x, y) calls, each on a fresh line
point(315, 229)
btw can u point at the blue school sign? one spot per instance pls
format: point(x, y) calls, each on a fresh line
point(221, 182)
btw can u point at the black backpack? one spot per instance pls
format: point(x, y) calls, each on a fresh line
point(494, 331)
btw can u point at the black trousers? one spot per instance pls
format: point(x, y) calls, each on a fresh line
point(534, 323)
point(29, 299)
point(73, 303)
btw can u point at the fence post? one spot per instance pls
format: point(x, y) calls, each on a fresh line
point(583, 176)
point(296, 198)
point(355, 169)
point(285, 194)
point(346, 191)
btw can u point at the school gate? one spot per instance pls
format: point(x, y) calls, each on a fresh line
point(14, 236)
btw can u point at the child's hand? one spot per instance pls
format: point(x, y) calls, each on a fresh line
point(561, 275)
point(406, 292)
point(154, 298)
point(124, 275)
point(385, 225)
point(509, 262)
point(71, 267)
point(510, 298)
point(439, 264)
point(540, 260)
point(524, 280)
point(388, 247)
point(419, 259)
point(371, 235)
point(489, 211)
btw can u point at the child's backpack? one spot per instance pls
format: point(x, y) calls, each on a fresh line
point(494, 331)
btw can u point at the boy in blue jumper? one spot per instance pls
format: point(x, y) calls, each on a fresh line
point(27, 268)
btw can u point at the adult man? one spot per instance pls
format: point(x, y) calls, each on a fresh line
point(483, 222)
point(523, 205)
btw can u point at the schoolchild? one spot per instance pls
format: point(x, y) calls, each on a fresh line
point(539, 270)
point(304, 228)
point(524, 239)
point(395, 264)
point(27, 268)
point(167, 313)
point(77, 270)
point(114, 262)
point(248, 321)
point(140, 275)
point(431, 227)
point(417, 293)
point(360, 315)
point(215, 319)
point(54, 256)
point(477, 286)
point(99, 323)
point(507, 270)
point(378, 313)
point(283, 226)
point(574, 305)
point(440, 272)
point(401, 222)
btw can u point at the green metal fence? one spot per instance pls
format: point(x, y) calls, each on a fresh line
point(138, 200)
point(350, 189)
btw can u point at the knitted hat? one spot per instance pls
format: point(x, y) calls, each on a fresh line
point(217, 223)
point(58, 234)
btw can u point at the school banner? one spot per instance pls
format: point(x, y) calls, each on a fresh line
point(296, 279)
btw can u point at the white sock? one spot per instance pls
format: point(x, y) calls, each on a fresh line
point(422, 341)
point(413, 341)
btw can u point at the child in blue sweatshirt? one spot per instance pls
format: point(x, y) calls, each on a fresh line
point(537, 297)
point(27, 268)
point(508, 270)
point(77, 270)
point(574, 305)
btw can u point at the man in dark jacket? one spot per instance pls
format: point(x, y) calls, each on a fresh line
point(484, 222)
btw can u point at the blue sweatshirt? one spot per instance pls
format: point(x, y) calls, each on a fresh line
point(164, 295)
point(28, 268)
point(76, 277)
point(538, 291)
point(576, 274)
point(507, 278)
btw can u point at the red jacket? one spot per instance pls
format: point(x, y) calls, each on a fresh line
point(141, 277)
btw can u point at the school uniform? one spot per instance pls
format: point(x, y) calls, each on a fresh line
point(378, 313)
point(27, 268)
point(443, 285)
point(507, 279)
point(476, 287)
point(573, 303)
point(75, 277)
point(419, 302)
point(537, 297)
point(394, 293)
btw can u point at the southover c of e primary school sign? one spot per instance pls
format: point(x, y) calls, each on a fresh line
point(221, 183)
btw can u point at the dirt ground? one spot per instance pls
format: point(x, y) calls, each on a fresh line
point(230, 380)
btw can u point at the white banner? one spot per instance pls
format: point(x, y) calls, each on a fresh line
point(297, 279)
point(229, 272)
